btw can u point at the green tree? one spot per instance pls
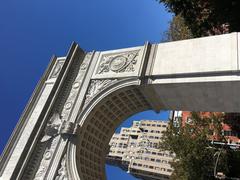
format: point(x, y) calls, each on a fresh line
point(195, 157)
point(177, 30)
point(207, 17)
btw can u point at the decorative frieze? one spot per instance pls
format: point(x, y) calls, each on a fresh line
point(118, 63)
point(96, 86)
point(62, 172)
point(75, 88)
point(57, 69)
point(47, 156)
point(51, 131)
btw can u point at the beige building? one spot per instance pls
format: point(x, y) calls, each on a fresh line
point(135, 149)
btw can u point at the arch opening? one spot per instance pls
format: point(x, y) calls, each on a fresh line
point(99, 126)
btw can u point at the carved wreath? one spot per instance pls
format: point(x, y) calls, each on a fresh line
point(118, 63)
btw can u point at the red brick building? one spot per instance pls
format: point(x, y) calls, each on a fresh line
point(230, 125)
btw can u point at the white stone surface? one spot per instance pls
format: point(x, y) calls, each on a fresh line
point(33, 117)
point(209, 54)
point(123, 73)
point(200, 96)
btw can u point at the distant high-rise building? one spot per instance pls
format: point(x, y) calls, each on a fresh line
point(135, 150)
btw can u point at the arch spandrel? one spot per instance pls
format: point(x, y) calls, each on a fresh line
point(121, 63)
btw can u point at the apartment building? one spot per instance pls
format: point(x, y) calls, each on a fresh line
point(135, 150)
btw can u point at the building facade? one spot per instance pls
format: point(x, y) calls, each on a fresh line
point(230, 126)
point(135, 150)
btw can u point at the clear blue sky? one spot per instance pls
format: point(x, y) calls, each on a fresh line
point(32, 31)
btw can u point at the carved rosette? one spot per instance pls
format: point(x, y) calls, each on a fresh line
point(96, 86)
point(121, 62)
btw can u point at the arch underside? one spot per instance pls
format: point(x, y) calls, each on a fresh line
point(99, 126)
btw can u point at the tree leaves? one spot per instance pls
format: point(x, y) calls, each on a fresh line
point(191, 144)
point(207, 17)
point(177, 30)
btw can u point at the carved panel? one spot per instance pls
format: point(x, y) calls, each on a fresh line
point(52, 127)
point(75, 88)
point(57, 69)
point(96, 86)
point(62, 171)
point(51, 145)
point(118, 62)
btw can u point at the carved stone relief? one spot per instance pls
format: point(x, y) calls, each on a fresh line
point(75, 88)
point(51, 131)
point(121, 62)
point(62, 172)
point(57, 69)
point(47, 156)
point(96, 86)
point(52, 128)
point(59, 123)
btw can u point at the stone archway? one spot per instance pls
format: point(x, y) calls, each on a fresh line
point(98, 122)
point(81, 99)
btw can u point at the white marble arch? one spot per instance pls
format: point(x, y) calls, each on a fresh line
point(206, 80)
point(98, 122)
point(204, 96)
point(81, 99)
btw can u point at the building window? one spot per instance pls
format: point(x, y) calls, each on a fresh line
point(164, 161)
point(230, 133)
point(189, 120)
